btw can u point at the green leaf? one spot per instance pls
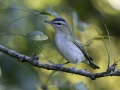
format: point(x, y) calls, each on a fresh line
point(37, 36)
point(55, 14)
point(82, 26)
point(49, 9)
point(52, 87)
point(80, 86)
point(14, 8)
point(41, 14)
point(34, 12)
point(45, 13)
point(99, 38)
point(75, 18)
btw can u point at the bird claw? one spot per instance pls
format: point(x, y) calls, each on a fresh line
point(72, 69)
point(84, 70)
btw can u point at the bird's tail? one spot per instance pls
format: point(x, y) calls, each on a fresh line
point(92, 64)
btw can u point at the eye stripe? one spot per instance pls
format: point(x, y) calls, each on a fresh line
point(59, 22)
point(59, 19)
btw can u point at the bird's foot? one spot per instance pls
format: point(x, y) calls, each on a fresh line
point(72, 69)
point(58, 65)
point(83, 69)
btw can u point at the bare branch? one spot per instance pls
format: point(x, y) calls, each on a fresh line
point(34, 61)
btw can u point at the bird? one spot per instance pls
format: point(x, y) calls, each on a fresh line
point(68, 45)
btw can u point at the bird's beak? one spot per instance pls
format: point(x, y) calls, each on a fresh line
point(48, 21)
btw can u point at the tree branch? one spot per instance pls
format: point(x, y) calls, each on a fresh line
point(111, 71)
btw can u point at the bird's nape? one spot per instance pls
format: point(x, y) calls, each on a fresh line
point(59, 19)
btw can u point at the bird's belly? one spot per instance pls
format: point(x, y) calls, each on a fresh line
point(69, 50)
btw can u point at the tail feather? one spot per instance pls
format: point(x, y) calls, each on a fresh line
point(92, 64)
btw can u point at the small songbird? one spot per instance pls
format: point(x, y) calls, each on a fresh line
point(68, 44)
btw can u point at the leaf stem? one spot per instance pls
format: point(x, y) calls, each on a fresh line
point(104, 44)
point(109, 43)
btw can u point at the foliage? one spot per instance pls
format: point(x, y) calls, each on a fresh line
point(17, 18)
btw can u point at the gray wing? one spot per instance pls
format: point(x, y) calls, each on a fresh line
point(76, 41)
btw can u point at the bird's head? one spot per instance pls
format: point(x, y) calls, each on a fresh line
point(59, 24)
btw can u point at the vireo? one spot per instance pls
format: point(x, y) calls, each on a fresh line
point(68, 44)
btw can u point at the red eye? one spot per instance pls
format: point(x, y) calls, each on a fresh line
point(59, 23)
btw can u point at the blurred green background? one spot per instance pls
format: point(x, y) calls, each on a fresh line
point(15, 75)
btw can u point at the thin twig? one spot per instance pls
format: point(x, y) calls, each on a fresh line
point(30, 39)
point(110, 44)
point(40, 49)
point(104, 44)
point(14, 21)
point(35, 63)
point(13, 34)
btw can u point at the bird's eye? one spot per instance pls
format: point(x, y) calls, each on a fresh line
point(59, 23)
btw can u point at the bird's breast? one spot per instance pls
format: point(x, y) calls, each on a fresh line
point(68, 49)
